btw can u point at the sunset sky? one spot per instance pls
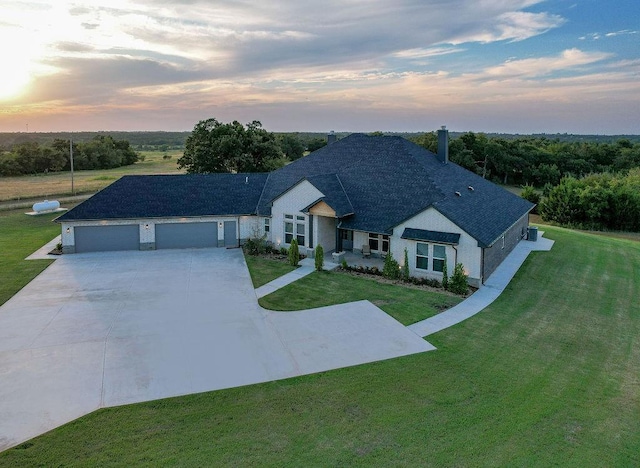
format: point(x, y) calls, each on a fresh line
point(514, 66)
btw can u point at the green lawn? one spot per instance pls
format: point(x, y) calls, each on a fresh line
point(406, 305)
point(20, 236)
point(264, 270)
point(546, 376)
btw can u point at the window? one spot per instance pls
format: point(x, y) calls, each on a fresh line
point(294, 230)
point(373, 241)
point(385, 243)
point(288, 228)
point(422, 256)
point(378, 242)
point(439, 257)
point(300, 225)
point(267, 225)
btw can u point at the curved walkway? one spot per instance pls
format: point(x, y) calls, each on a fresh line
point(487, 293)
point(474, 304)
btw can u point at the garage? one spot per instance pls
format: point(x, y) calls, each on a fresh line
point(186, 235)
point(103, 238)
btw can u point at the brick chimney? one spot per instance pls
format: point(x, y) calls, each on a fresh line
point(443, 145)
point(332, 137)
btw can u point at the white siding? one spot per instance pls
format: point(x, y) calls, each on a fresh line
point(250, 226)
point(291, 202)
point(469, 254)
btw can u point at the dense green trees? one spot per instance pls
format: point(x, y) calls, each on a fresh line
point(535, 160)
point(218, 147)
point(102, 152)
point(599, 201)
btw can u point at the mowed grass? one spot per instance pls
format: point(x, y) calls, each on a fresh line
point(20, 236)
point(59, 183)
point(264, 270)
point(546, 376)
point(407, 305)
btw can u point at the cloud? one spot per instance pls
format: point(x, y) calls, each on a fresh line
point(149, 60)
point(542, 66)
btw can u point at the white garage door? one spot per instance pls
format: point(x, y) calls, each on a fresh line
point(105, 238)
point(186, 235)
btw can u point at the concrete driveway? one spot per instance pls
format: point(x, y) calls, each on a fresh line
point(106, 329)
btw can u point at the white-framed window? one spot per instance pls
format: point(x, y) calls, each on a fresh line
point(301, 222)
point(294, 228)
point(378, 242)
point(439, 257)
point(288, 228)
point(422, 256)
point(267, 225)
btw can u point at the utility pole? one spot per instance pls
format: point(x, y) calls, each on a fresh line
point(73, 192)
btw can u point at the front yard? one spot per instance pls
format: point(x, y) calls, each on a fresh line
point(407, 305)
point(545, 376)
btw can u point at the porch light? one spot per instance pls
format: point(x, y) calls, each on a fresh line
point(146, 226)
point(68, 230)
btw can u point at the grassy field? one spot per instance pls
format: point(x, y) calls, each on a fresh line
point(407, 305)
point(548, 375)
point(20, 236)
point(57, 184)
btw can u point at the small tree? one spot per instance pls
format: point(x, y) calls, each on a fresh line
point(294, 253)
point(458, 284)
point(391, 267)
point(405, 267)
point(319, 258)
point(445, 276)
point(530, 194)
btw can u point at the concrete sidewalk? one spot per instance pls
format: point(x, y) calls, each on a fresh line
point(487, 293)
point(307, 266)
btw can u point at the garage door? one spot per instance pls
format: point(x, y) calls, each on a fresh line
point(103, 238)
point(186, 235)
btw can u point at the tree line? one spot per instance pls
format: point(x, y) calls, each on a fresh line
point(536, 161)
point(599, 201)
point(101, 152)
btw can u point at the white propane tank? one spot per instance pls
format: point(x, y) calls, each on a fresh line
point(46, 205)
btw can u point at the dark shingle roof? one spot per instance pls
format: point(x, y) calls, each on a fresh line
point(158, 196)
point(373, 184)
point(335, 195)
point(389, 179)
point(431, 236)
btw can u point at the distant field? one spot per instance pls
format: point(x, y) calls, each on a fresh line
point(56, 184)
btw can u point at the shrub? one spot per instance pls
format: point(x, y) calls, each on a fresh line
point(405, 267)
point(445, 276)
point(344, 265)
point(294, 253)
point(458, 283)
point(391, 268)
point(255, 245)
point(284, 251)
point(319, 258)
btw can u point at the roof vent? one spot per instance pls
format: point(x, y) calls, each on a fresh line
point(246, 180)
point(458, 194)
point(470, 188)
